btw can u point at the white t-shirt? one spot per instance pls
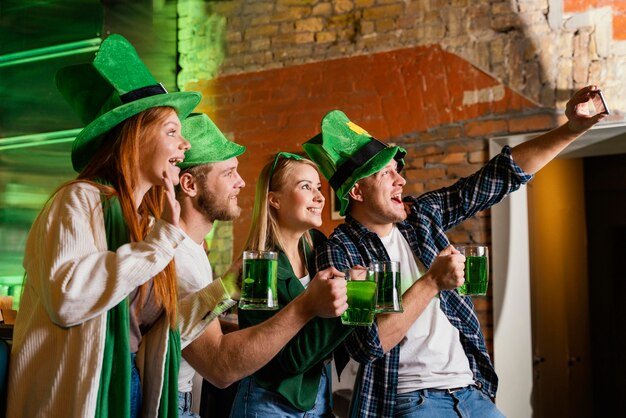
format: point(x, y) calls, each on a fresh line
point(193, 272)
point(431, 354)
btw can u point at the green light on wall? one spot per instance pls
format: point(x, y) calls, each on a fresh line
point(50, 52)
point(31, 167)
point(202, 49)
point(33, 140)
point(201, 41)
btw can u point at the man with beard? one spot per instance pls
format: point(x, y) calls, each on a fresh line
point(431, 359)
point(208, 190)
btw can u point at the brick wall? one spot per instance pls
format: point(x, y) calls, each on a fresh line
point(541, 48)
point(617, 10)
point(220, 244)
point(202, 52)
point(439, 77)
point(442, 117)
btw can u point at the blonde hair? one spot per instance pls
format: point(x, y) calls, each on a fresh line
point(264, 232)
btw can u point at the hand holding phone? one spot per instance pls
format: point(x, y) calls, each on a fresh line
point(599, 103)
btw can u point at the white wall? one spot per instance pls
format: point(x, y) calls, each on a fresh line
point(511, 270)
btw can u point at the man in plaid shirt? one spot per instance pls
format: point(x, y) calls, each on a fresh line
point(431, 359)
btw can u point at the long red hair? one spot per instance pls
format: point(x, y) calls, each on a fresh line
point(117, 162)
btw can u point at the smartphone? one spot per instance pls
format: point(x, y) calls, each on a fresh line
point(599, 103)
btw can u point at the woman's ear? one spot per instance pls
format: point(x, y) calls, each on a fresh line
point(273, 200)
point(187, 183)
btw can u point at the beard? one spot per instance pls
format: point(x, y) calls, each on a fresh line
point(383, 212)
point(215, 209)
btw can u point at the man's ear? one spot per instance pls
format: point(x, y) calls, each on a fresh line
point(273, 200)
point(188, 184)
point(356, 193)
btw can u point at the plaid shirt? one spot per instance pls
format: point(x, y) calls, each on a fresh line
point(431, 215)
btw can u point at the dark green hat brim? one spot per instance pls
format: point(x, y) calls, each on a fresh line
point(89, 140)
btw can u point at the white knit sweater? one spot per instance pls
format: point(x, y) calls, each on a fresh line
point(72, 281)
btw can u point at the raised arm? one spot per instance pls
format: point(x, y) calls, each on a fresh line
point(532, 155)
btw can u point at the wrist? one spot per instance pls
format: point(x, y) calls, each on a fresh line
point(575, 129)
point(428, 285)
point(303, 307)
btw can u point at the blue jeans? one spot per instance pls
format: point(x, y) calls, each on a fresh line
point(253, 401)
point(135, 388)
point(184, 405)
point(437, 403)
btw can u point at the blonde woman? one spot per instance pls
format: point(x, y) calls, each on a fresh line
point(288, 208)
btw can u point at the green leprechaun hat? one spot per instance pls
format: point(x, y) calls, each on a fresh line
point(346, 153)
point(114, 87)
point(208, 143)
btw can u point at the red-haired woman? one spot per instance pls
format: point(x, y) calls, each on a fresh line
point(96, 332)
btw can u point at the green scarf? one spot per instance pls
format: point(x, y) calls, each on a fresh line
point(114, 390)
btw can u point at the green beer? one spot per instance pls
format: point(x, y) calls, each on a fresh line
point(389, 286)
point(476, 276)
point(258, 288)
point(389, 292)
point(361, 303)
